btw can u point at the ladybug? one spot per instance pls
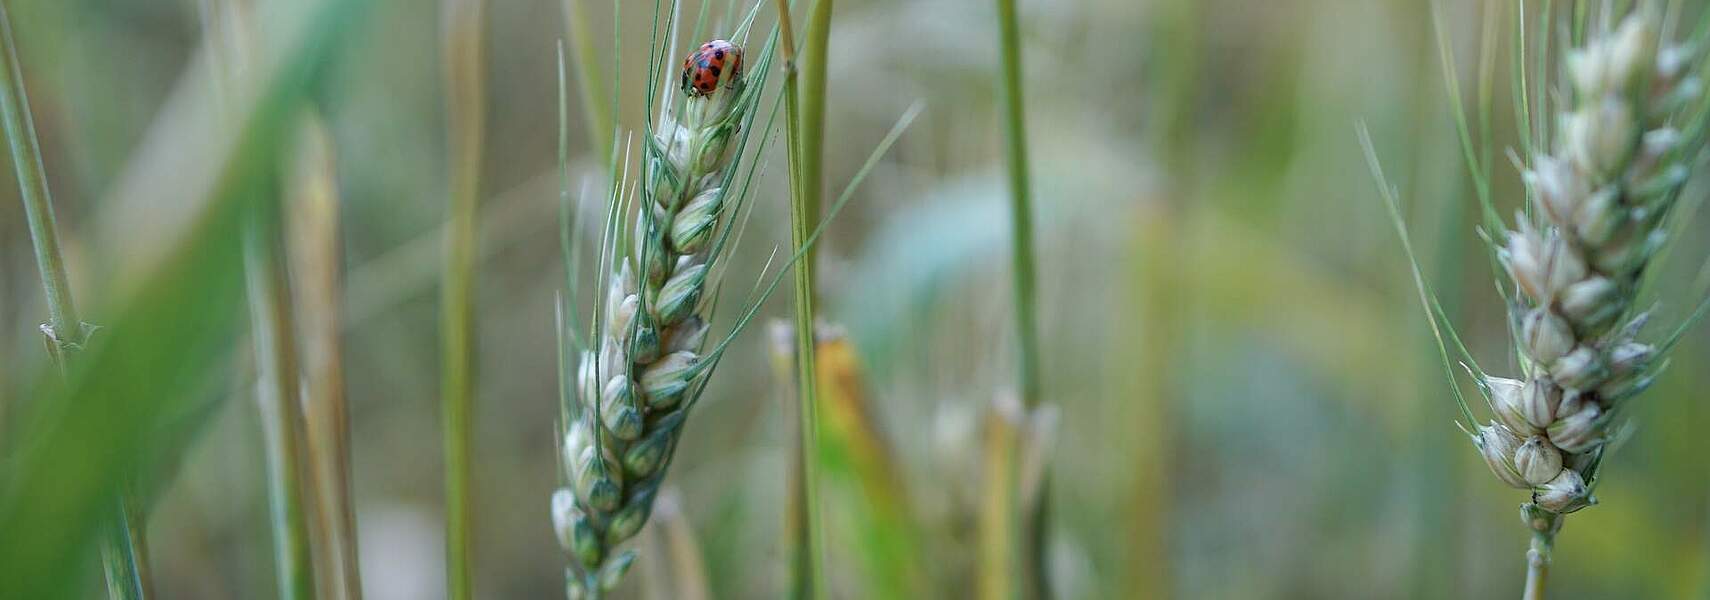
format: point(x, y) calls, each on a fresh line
point(702, 68)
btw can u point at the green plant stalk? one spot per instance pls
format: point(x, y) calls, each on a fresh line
point(1021, 210)
point(1026, 312)
point(173, 321)
point(464, 108)
point(1538, 565)
point(122, 550)
point(805, 121)
point(281, 418)
point(63, 327)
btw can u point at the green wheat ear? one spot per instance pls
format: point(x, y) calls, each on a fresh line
point(1607, 154)
point(630, 376)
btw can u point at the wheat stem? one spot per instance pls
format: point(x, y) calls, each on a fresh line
point(1021, 210)
point(277, 393)
point(464, 106)
point(314, 253)
point(123, 546)
point(1538, 565)
point(809, 150)
point(806, 570)
point(63, 326)
point(1035, 527)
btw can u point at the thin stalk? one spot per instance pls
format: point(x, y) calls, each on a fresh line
point(464, 107)
point(805, 120)
point(1035, 526)
point(291, 484)
point(1538, 565)
point(277, 393)
point(63, 327)
point(1021, 211)
point(314, 254)
point(123, 559)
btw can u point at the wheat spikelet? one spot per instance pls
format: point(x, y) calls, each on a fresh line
point(1600, 200)
point(1629, 126)
point(649, 358)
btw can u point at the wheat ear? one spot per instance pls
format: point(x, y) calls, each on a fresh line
point(649, 361)
point(1600, 199)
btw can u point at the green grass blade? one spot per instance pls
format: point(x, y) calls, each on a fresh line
point(123, 550)
point(167, 334)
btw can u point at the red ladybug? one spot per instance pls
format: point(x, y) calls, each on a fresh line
point(702, 68)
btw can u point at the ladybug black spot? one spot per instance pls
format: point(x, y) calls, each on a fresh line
point(719, 54)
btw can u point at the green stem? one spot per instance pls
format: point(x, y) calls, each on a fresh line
point(805, 119)
point(1537, 565)
point(122, 546)
point(1021, 210)
point(281, 415)
point(464, 108)
point(63, 326)
point(1035, 527)
point(1544, 526)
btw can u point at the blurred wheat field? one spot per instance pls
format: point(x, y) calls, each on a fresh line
point(1246, 399)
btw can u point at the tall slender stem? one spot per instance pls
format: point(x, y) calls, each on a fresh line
point(20, 128)
point(1033, 529)
point(281, 417)
point(1021, 210)
point(122, 549)
point(464, 108)
point(314, 252)
point(805, 119)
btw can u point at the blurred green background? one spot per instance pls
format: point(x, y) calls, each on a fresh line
point(1250, 404)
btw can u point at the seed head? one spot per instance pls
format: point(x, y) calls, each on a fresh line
point(1557, 188)
point(1506, 399)
point(1497, 445)
point(1563, 494)
point(681, 294)
point(1579, 428)
point(1538, 402)
point(1611, 65)
point(1581, 369)
point(694, 225)
point(621, 414)
point(1600, 136)
point(1599, 217)
point(686, 336)
point(1546, 335)
point(1537, 461)
point(1541, 264)
point(664, 382)
point(1592, 304)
